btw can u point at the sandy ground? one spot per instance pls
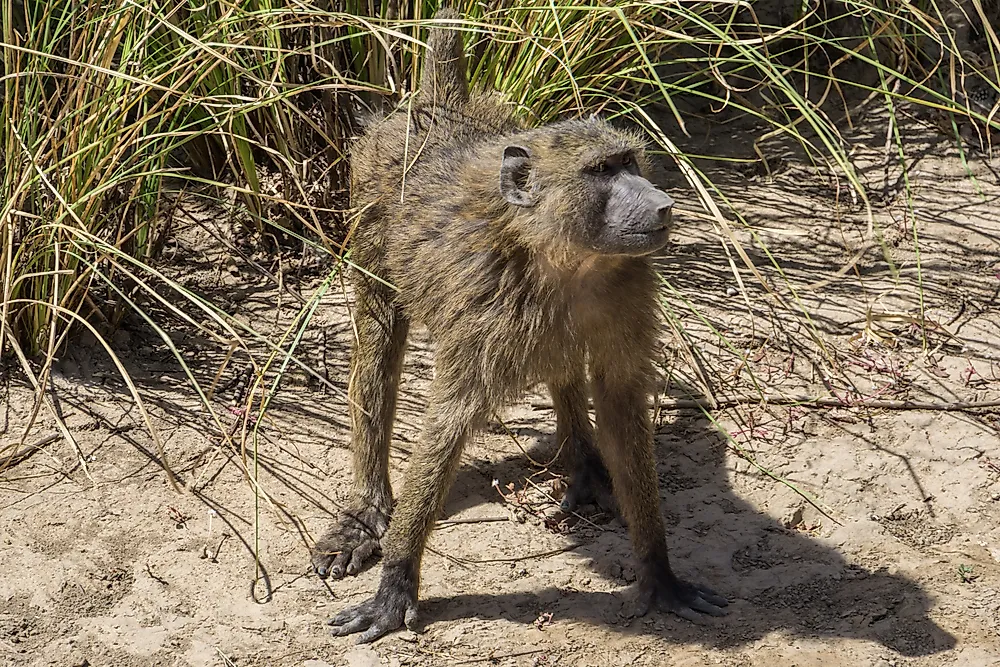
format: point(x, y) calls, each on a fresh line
point(897, 563)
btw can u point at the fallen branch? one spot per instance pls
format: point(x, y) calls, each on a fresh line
point(807, 401)
point(26, 452)
point(496, 658)
point(516, 559)
point(444, 523)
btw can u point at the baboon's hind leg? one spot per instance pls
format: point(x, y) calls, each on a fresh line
point(625, 439)
point(589, 482)
point(375, 368)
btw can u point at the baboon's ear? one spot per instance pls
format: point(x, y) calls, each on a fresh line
point(514, 176)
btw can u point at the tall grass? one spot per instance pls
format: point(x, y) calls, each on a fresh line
point(110, 108)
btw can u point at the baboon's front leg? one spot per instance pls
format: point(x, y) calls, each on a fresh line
point(589, 480)
point(624, 436)
point(450, 420)
point(375, 368)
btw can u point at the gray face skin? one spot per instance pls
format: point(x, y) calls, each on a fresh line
point(636, 216)
point(614, 209)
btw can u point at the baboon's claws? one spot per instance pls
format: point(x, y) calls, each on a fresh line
point(389, 610)
point(689, 601)
point(351, 544)
point(708, 606)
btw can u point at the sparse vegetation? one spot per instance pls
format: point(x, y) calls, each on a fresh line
point(114, 113)
point(126, 125)
point(112, 108)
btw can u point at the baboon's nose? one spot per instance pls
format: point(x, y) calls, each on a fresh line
point(663, 205)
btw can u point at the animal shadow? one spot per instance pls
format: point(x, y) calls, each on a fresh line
point(775, 578)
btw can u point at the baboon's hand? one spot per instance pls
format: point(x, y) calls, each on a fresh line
point(391, 607)
point(590, 483)
point(350, 544)
point(660, 588)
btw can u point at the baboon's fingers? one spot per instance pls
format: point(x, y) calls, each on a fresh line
point(360, 556)
point(346, 616)
point(690, 602)
point(351, 620)
point(590, 484)
point(712, 597)
point(689, 614)
point(693, 610)
point(377, 629)
point(578, 495)
point(411, 620)
point(321, 561)
point(700, 604)
point(339, 565)
point(571, 501)
point(355, 625)
point(693, 603)
point(605, 499)
point(375, 618)
point(350, 542)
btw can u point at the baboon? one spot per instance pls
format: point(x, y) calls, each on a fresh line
point(525, 253)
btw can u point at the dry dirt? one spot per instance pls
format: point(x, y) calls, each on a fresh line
point(901, 565)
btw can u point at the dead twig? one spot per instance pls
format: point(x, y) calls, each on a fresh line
point(496, 657)
point(556, 502)
point(155, 577)
point(807, 401)
point(444, 523)
point(515, 559)
point(454, 559)
point(23, 454)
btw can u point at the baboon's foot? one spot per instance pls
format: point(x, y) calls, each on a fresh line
point(352, 541)
point(590, 484)
point(393, 605)
point(659, 588)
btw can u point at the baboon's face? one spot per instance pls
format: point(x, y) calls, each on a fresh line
point(587, 180)
point(622, 212)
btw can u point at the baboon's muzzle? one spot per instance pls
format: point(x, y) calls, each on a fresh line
point(639, 214)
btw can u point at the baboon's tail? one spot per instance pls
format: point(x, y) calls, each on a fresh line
point(443, 80)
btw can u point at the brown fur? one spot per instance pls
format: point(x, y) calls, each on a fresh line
point(511, 297)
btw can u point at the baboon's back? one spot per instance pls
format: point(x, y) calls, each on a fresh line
point(418, 144)
point(417, 136)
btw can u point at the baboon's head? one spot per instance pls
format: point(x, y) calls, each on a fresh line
point(585, 182)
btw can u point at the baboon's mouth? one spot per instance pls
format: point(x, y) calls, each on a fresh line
point(659, 229)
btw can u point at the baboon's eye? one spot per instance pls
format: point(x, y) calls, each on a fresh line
point(627, 160)
point(601, 167)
